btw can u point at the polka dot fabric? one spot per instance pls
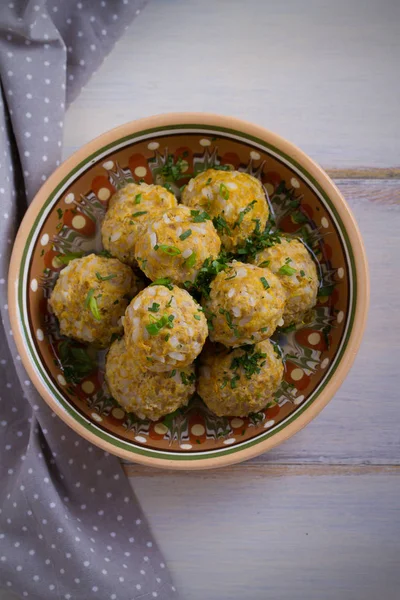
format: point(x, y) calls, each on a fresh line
point(70, 527)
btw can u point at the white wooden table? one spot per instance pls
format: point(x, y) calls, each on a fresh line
point(319, 517)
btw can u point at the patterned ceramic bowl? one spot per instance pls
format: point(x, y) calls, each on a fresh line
point(66, 216)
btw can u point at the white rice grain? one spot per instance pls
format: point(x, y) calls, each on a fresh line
point(176, 355)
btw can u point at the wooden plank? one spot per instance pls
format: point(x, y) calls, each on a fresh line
point(321, 73)
point(247, 533)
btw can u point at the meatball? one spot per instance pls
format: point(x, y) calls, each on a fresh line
point(149, 395)
point(245, 305)
point(89, 298)
point(165, 328)
point(292, 263)
point(128, 210)
point(236, 383)
point(235, 201)
point(175, 244)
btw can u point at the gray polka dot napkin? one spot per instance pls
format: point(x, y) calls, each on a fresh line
point(70, 527)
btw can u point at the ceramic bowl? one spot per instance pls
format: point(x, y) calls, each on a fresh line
point(65, 217)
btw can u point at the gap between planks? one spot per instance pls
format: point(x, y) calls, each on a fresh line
point(265, 470)
point(365, 173)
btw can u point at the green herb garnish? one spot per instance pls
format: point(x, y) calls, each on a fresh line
point(221, 225)
point(138, 198)
point(173, 373)
point(251, 361)
point(200, 216)
point(60, 213)
point(258, 241)
point(173, 171)
point(185, 234)
point(223, 191)
point(155, 307)
point(163, 281)
point(75, 361)
point(170, 250)
point(187, 379)
point(91, 303)
point(139, 213)
point(264, 264)
point(265, 283)
point(191, 260)
point(169, 302)
point(155, 327)
point(197, 317)
point(228, 317)
point(107, 278)
point(209, 180)
point(243, 213)
point(66, 258)
point(286, 270)
point(210, 268)
point(302, 273)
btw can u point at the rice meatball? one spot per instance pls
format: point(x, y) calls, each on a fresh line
point(292, 263)
point(90, 297)
point(148, 394)
point(175, 244)
point(236, 383)
point(245, 305)
point(128, 211)
point(235, 200)
point(165, 328)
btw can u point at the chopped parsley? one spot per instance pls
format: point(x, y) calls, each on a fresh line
point(223, 191)
point(155, 307)
point(163, 281)
point(209, 180)
point(258, 241)
point(138, 198)
point(60, 213)
point(187, 379)
point(185, 235)
point(265, 283)
point(172, 373)
point(197, 317)
point(155, 327)
point(200, 216)
point(251, 361)
point(139, 213)
point(66, 258)
point(191, 260)
point(170, 302)
point(170, 250)
point(228, 317)
point(107, 278)
point(221, 225)
point(302, 273)
point(286, 270)
point(210, 268)
point(243, 213)
point(75, 361)
point(173, 171)
point(91, 303)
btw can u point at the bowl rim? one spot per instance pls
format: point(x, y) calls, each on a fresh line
point(319, 175)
